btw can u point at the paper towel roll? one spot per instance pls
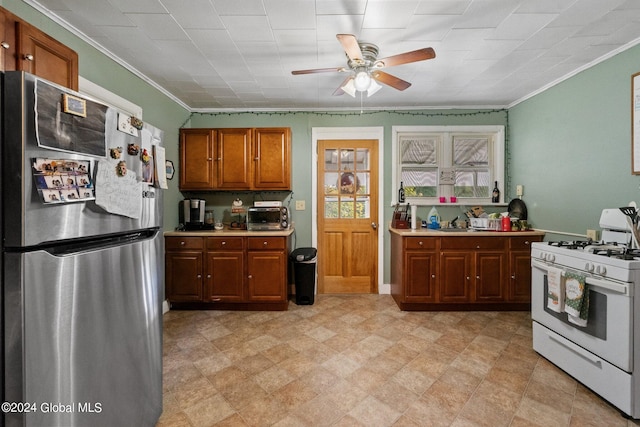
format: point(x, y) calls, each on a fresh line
point(414, 216)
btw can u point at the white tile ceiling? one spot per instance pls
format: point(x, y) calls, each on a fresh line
point(239, 54)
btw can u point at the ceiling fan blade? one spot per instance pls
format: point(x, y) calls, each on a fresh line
point(317, 70)
point(407, 57)
point(389, 80)
point(350, 45)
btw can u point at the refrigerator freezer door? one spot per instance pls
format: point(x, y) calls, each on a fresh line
point(90, 338)
point(31, 222)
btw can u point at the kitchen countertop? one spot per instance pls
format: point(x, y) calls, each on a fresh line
point(229, 232)
point(460, 233)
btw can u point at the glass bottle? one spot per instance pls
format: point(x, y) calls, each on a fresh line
point(495, 196)
point(401, 193)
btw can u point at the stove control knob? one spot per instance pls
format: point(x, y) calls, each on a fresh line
point(601, 269)
point(589, 267)
point(551, 258)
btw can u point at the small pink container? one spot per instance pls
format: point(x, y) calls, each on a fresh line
point(453, 199)
point(443, 199)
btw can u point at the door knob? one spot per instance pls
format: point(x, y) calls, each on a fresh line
point(374, 225)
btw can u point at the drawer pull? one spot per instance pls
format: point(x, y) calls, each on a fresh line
point(224, 242)
point(5, 45)
point(420, 243)
point(216, 299)
point(265, 243)
point(182, 243)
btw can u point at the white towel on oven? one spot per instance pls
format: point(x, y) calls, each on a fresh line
point(555, 289)
point(576, 299)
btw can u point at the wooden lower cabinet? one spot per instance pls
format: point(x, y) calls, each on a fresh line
point(461, 273)
point(244, 273)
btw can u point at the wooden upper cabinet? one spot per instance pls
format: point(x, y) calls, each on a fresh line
point(235, 159)
point(197, 159)
point(7, 42)
point(23, 47)
point(272, 157)
point(42, 55)
point(233, 162)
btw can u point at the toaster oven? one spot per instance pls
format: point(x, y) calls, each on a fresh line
point(267, 218)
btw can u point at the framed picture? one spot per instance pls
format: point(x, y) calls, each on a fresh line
point(635, 124)
point(74, 105)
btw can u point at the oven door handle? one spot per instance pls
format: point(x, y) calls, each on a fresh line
point(605, 284)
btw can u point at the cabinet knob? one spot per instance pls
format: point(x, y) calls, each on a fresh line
point(513, 277)
point(478, 247)
point(216, 299)
point(28, 57)
point(224, 243)
point(433, 276)
point(182, 243)
point(256, 158)
point(265, 243)
point(478, 277)
point(219, 159)
point(420, 243)
point(5, 45)
point(250, 276)
point(468, 278)
point(526, 242)
point(208, 276)
point(209, 159)
point(199, 276)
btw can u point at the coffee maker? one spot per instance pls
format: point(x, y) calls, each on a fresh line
point(191, 214)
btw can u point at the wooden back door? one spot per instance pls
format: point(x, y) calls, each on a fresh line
point(347, 216)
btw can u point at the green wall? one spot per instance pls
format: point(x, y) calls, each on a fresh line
point(571, 147)
point(301, 124)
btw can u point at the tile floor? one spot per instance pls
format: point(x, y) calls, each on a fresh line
point(360, 361)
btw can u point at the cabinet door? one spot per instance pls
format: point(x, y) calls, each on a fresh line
point(455, 276)
point(8, 42)
point(225, 276)
point(183, 276)
point(490, 268)
point(420, 276)
point(520, 276)
point(267, 275)
point(272, 158)
point(46, 57)
point(197, 159)
point(233, 161)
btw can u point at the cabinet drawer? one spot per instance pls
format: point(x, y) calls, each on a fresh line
point(257, 243)
point(473, 243)
point(224, 243)
point(184, 242)
point(522, 243)
point(420, 242)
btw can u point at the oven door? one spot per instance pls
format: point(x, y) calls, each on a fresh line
point(608, 333)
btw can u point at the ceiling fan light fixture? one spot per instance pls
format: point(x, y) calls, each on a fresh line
point(373, 88)
point(362, 80)
point(349, 88)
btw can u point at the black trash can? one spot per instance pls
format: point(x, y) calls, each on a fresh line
point(304, 266)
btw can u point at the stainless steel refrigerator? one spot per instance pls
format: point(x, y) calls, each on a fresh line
point(82, 269)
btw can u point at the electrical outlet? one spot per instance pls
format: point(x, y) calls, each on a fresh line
point(300, 205)
point(592, 234)
point(519, 190)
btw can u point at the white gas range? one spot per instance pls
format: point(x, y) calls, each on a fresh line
point(604, 353)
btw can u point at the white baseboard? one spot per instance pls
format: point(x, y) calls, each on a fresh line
point(384, 289)
point(165, 307)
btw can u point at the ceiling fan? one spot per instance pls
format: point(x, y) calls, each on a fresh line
point(365, 67)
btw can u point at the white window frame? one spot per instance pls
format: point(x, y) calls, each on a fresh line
point(496, 152)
